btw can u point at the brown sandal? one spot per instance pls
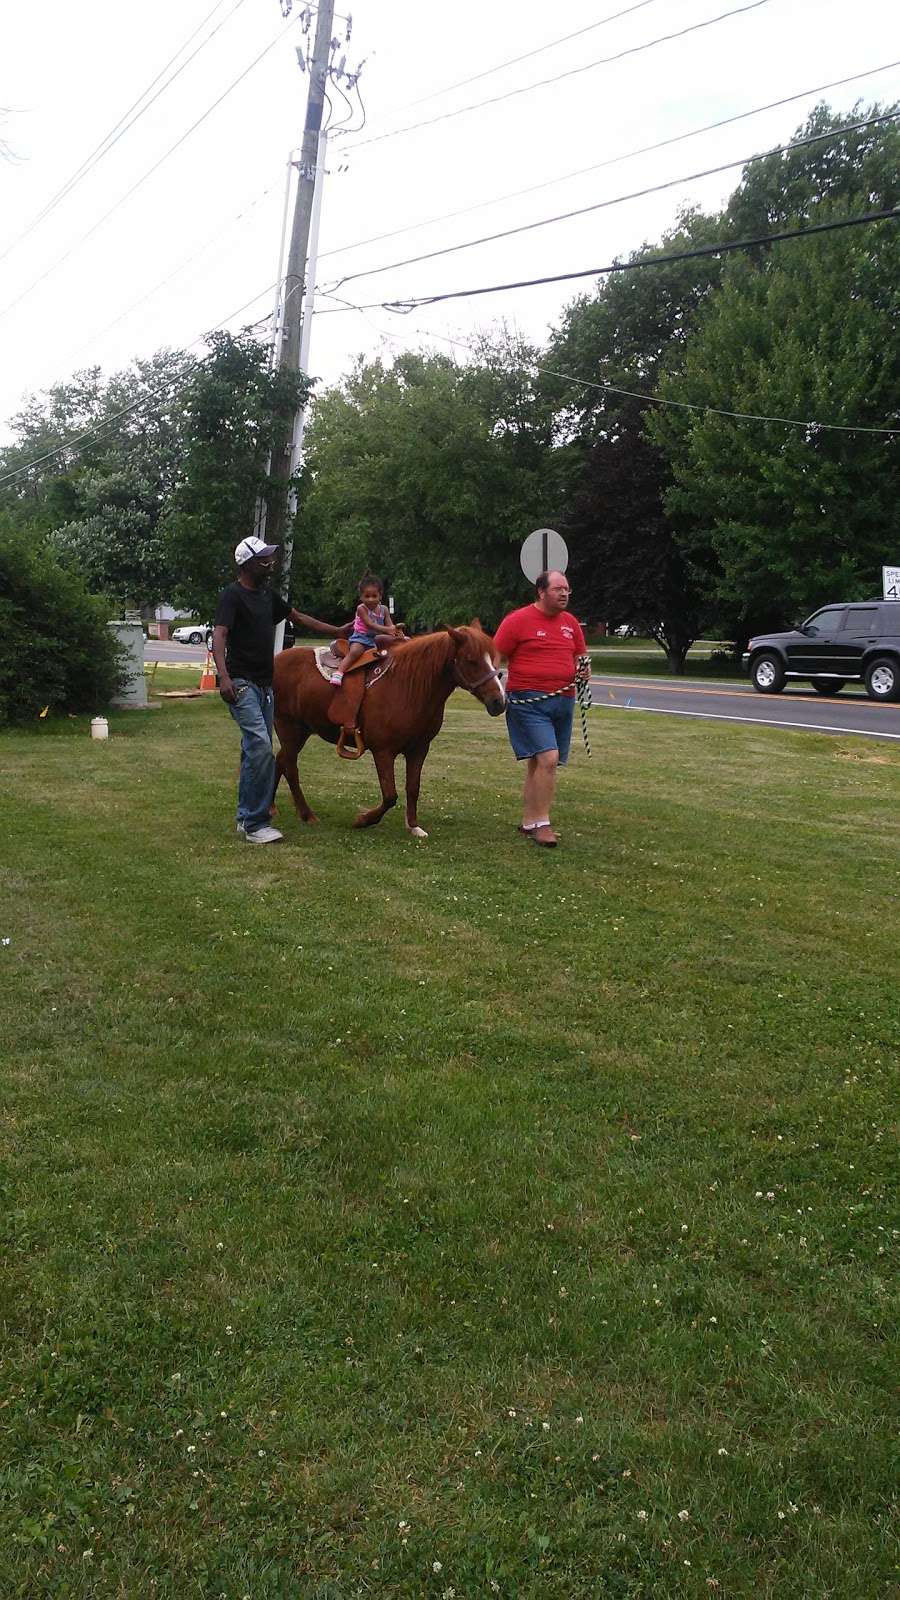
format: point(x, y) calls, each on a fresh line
point(544, 836)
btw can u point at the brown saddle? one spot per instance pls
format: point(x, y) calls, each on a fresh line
point(346, 702)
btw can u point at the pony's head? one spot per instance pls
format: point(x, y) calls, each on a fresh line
point(475, 664)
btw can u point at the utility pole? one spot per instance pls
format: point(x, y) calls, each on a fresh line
point(296, 283)
point(260, 516)
point(299, 423)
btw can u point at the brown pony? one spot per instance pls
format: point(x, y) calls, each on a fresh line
point(400, 714)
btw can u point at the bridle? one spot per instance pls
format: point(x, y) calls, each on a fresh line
point(479, 683)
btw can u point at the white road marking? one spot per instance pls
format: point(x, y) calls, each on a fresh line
point(765, 722)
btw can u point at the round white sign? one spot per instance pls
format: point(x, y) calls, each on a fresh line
point(545, 550)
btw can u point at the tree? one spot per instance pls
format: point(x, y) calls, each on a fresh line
point(55, 647)
point(855, 169)
point(113, 449)
point(234, 412)
point(626, 562)
point(620, 336)
point(675, 333)
point(772, 519)
point(114, 540)
point(430, 474)
point(151, 475)
point(626, 566)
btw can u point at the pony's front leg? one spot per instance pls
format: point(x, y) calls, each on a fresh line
point(292, 740)
point(415, 761)
point(384, 766)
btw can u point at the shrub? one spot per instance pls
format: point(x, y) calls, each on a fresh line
point(55, 647)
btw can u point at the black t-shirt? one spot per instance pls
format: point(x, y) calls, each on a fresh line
point(250, 616)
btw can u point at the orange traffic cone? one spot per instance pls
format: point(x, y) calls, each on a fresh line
point(208, 675)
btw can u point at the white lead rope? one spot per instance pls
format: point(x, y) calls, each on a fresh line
point(585, 701)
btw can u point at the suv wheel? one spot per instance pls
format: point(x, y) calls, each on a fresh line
point(209, 638)
point(827, 685)
point(883, 679)
point(767, 673)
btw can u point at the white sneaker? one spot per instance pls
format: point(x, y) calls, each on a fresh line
point(263, 836)
point(337, 678)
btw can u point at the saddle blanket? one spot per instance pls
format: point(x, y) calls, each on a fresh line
point(326, 661)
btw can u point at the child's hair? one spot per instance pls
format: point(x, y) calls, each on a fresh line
point(369, 581)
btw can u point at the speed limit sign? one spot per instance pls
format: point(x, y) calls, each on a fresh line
point(891, 581)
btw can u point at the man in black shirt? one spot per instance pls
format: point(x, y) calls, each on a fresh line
point(244, 653)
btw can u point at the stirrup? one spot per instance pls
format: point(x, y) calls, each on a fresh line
point(343, 752)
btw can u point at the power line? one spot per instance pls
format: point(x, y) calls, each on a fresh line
point(636, 194)
point(144, 400)
point(118, 131)
point(87, 436)
point(633, 394)
point(188, 261)
point(514, 60)
point(726, 247)
point(148, 174)
point(542, 83)
point(612, 161)
point(723, 248)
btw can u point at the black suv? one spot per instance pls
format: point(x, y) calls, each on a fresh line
point(837, 645)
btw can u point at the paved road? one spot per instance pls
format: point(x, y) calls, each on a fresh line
point(187, 654)
point(796, 708)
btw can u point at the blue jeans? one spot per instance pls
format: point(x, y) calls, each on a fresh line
point(253, 711)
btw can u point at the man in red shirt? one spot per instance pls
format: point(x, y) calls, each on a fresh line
point(542, 643)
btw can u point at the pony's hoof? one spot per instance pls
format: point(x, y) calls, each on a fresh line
point(417, 833)
point(310, 817)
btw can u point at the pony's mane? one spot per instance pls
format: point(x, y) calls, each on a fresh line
point(418, 662)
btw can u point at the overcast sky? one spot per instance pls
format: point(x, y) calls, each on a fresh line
point(68, 73)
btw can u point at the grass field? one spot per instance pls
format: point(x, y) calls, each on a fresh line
point(452, 1219)
point(705, 659)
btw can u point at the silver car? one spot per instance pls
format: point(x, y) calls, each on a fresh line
point(193, 633)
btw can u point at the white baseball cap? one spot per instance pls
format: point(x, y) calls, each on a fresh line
point(249, 549)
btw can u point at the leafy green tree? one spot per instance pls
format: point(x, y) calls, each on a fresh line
point(860, 169)
point(55, 647)
point(626, 561)
point(772, 519)
point(152, 474)
point(626, 566)
point(651, 332)
point(114, 541)
point(619, 336)
point(100, 498)
point(430, 474)
point(234, 412)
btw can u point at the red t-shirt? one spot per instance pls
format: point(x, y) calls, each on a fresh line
point(541, 650)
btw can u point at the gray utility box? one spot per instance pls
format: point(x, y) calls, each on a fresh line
point(133, 693)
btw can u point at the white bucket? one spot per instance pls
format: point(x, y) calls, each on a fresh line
point(99, 728)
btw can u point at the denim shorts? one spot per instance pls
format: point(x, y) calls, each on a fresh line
point(539, 725)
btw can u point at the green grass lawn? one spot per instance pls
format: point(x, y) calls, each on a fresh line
point(645, 658)
point(450, 1219)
